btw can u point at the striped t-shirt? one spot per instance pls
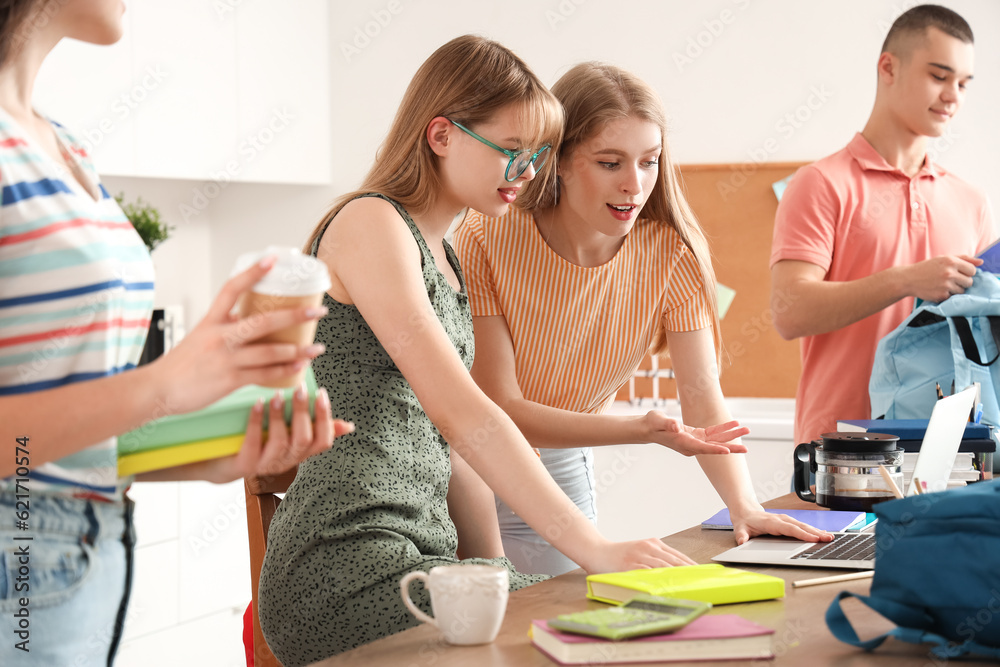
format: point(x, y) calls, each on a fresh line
point(579, 333)
point(76, 292)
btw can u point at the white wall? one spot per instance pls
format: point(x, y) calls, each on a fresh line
point(770, 58)
point(765, 59)
point(725, 102)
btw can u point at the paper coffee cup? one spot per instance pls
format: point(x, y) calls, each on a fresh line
point(295, 281)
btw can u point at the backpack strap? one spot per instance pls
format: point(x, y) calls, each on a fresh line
point(908, 621)
point(964, 331)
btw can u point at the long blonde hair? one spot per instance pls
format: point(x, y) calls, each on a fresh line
point(593, 94)
point(467, 80)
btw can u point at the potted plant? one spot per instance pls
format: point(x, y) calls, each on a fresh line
point(146, 219)
point(153, 231)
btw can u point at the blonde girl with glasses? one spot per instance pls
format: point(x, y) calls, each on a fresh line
point(572, 288)
point(399, 345)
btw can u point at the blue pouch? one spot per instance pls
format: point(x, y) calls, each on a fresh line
point(936, 574)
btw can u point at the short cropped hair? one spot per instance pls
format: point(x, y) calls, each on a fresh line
point(915, 21)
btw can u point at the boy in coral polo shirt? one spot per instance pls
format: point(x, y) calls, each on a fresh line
point(862, 232)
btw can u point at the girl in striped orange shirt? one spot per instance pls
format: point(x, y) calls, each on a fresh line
point(571, 290)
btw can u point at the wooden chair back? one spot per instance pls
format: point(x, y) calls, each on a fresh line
point(261, 504)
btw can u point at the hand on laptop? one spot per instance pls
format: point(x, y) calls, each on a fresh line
point(758, 522)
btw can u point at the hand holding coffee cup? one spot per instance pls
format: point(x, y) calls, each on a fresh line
point(468, 601)
point(295, 281)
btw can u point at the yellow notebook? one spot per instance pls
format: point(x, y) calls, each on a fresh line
point(189, 452)
point(713, 583)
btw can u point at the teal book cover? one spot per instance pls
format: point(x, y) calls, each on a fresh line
point(227, 416)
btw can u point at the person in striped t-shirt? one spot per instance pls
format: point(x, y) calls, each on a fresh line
point(572, 288)
point(76, 294)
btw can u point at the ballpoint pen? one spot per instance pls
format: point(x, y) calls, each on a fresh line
point(835, 579)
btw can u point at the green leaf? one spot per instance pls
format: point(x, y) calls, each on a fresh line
point(146, 219)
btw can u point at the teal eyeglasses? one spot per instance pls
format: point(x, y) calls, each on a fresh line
point(519, 160)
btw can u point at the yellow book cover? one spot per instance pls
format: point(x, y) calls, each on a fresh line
point(212, 432)
point(189, 452)
point(713, 583)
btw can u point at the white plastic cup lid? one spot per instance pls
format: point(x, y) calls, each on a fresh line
point(294, 274)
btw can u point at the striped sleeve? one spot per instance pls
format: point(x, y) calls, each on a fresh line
point(469, 240)
point(686, 308)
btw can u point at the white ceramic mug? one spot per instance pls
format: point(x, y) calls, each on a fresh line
point(468, 601)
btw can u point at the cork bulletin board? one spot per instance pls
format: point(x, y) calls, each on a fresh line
point(736, 205)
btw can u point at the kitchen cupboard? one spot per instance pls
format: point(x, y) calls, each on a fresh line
point(223, 91)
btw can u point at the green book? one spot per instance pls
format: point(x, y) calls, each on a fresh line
point(714, 583)
point(226, 417)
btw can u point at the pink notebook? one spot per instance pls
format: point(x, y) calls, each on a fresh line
point(716, 637)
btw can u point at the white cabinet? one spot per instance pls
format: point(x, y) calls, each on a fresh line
point(202, 90)
point(283, 78)
point(186, 127)
point(89, 89)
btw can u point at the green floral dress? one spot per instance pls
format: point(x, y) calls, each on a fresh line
point(373, 507)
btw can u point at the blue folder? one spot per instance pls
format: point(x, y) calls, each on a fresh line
point(991, 258)
point(911, 429)
point(829, 520)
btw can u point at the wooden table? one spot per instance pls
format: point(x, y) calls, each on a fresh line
point(801, 637)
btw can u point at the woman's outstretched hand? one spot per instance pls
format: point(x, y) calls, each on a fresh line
point(689, 440)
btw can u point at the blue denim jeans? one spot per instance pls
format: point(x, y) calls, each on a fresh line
point(63, 592)
point(573, 470)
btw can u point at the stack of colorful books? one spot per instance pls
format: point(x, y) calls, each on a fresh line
point(215, 431)
point(707, 637)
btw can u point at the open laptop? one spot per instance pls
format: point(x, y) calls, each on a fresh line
point(856, 551)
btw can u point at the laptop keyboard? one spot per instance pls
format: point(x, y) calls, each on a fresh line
point(853, 546)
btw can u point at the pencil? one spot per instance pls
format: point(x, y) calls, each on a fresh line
point(888, 480)
point(834, 579)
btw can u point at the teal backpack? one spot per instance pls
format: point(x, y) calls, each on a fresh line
point(952, 343)
point(936, 574)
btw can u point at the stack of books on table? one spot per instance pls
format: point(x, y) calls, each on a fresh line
point(213, 432)
point(975, 460)
point(709, 637)
point(715, 637)
point(962, 472)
